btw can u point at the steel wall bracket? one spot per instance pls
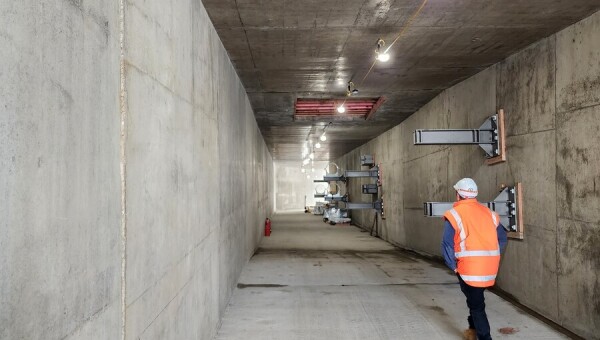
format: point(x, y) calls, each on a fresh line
point(373, 189)
point(508, 204)
point(490, 137)
point(370, 189)
point(333, 198)
point(367, 160)
point(332, 178)
point(373, 173)
point(377, 205)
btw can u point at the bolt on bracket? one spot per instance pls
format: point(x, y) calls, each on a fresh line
point(490, 137)
point(508, 204)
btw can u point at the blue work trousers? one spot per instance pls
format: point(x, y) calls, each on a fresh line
point(476, 303)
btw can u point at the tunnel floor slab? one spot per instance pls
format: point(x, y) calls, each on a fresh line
point(311, 280)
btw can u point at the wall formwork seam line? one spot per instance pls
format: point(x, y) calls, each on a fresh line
point(123, 165)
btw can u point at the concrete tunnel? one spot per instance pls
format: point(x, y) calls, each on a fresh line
point(144, 143)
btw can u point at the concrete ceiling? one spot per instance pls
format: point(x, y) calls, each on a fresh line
point(283, 50)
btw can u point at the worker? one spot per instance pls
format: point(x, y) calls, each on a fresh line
point(472, 242)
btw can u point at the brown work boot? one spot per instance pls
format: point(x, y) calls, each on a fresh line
point(469, 334)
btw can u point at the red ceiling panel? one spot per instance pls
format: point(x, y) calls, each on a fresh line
point(320, 108)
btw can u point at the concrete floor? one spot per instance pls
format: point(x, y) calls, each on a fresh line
point(310, 280)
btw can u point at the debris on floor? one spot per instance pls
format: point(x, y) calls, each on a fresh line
point(508, 330)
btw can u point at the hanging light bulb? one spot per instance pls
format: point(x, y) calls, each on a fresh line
point(382, 54)
point(306, 161)
point(311, 156)
point(318, 145)
point(323, 137)
point(383, 57)
point(341, 109)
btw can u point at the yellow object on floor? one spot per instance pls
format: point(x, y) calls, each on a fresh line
point(469, 334)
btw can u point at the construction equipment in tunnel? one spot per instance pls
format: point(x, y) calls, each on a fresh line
point(490, 137)
point(333, 177)
point(508, 204)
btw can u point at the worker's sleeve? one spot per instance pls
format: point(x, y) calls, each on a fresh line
point(448, 246)
point(502, 238)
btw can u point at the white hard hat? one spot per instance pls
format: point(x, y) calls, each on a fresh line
point(466, 188)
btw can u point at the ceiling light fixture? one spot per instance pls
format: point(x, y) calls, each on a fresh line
point(318, 145)
point(382, 54)
point(323, 137)
point(341, 109)
point(383, 57)
point(311, 156)
point(303, 170)
point(352, 90)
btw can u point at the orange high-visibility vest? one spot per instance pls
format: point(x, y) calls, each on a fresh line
point(475, 242)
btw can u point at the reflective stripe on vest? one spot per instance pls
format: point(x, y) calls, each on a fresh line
point(461, 229)
point(467, 253)
point(494, 219)
point(475, 278)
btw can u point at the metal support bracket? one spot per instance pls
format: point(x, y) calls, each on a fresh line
point(367, 160)
point(333, 198)
point(508, 204)
point(370, 189)
point(373, 189)
point(490, 137)
point(377, 205)
point(332, 178)
point(373, 172)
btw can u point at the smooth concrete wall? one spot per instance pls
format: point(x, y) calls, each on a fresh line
point(60, 208)
point(294, 189)
point(196, 184)
point(551, 95)
point(198, 172)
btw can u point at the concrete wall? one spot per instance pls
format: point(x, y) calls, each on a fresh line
point(551, 94)
point(295, 189)
point(60, 208)
point(196, 184)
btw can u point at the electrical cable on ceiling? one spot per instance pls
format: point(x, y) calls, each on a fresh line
point(404, 28)
point(408, 23)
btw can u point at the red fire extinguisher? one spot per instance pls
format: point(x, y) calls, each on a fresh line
point(267, 227)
